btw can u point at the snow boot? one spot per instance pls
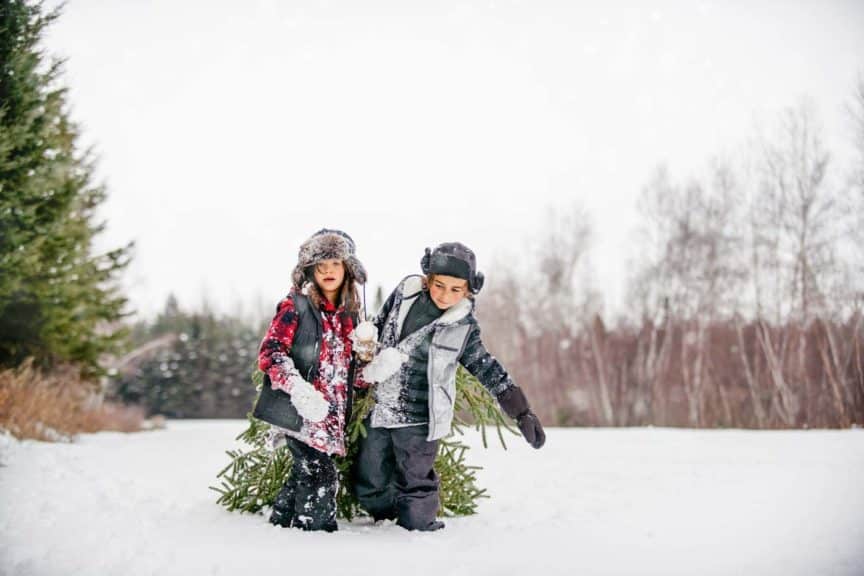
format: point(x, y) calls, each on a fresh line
point(283, 506)
point(315, 481)
point(429, 527)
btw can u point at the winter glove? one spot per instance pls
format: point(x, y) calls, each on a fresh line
point(384, 365)
point(308, 401)
point(531, 429)
point(365, 340)
point(515, 405)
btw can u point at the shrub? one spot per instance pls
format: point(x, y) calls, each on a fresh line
point(57, 405)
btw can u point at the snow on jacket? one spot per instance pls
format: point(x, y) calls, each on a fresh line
point(455, 339)
point(330, 375)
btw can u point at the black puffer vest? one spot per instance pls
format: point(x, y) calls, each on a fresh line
point(307, 338)
point(415, 393)
point(275, 406)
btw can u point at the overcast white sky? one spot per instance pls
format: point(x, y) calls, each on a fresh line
point(228, 132)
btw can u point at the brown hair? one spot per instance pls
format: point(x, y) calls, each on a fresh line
point(348, 296)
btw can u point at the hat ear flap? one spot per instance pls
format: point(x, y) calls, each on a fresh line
point(298, 276)
point(477, 284)
point(424, 262)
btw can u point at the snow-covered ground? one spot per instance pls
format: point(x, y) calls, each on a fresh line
point(593, 501)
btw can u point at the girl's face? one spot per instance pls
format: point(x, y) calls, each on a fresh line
point(447, 291)
point(329, 275)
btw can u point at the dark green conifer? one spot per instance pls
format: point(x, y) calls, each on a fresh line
point(59, 302)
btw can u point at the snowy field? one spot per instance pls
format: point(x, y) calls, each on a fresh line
point(593, 501)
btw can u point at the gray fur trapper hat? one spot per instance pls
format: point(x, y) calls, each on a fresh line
point(328, 244)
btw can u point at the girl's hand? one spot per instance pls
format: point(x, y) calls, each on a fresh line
point(308, 401)
point(365, 341)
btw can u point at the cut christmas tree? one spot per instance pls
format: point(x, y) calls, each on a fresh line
point(250, 482)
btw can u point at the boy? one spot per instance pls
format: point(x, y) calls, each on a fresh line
point(426, 327)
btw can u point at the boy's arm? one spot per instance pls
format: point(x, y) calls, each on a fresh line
point(483, 366)
point(381, 317)
point(492, 375)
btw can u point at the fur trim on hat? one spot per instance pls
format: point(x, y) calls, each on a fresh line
point(325, 245)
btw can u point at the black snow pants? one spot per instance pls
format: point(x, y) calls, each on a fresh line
point(307, 500)
point(394, 478)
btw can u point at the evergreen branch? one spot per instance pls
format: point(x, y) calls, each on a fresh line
point(254, 477)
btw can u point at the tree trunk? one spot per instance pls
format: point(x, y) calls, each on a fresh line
point(833, 372)
point(599, 362)
point(758, 411)
point(784, 406)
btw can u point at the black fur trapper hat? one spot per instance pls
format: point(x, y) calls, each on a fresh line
point(453, 259)
point(328, 244)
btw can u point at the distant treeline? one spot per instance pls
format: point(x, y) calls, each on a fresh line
point(727, 374)
point(189, 365)
point(744, 305)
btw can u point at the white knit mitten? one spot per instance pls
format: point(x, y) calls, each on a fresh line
point(308, 401)
point(365, 340)
point(385, 364)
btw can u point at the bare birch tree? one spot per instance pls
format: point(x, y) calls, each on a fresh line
point(691, 264)
point(533, 316)
point(856, 114)
point(795, 214)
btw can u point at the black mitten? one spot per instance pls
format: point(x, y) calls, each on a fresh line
point(515, 405)
point(532, 430)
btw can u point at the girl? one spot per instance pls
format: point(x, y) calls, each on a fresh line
point(306, 360)
point(426, 326)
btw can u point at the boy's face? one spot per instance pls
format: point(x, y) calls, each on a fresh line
point(447, 291)
point(329, 275)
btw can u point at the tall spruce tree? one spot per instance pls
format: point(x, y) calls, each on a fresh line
point(58, 301)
